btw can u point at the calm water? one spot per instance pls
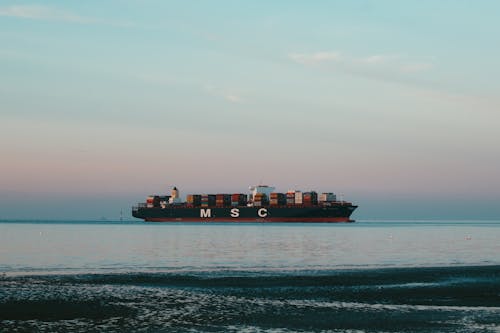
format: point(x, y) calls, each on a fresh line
point(373, 276)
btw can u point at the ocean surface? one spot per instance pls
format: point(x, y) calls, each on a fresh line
point(368, 276)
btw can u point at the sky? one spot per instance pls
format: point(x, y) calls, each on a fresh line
point(393, 104)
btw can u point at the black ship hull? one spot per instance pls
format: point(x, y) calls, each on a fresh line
point(334, 213)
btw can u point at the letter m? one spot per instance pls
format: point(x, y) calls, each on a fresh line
point(205, 212)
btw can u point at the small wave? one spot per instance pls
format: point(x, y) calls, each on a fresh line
point(409, 277)
point(446, 299)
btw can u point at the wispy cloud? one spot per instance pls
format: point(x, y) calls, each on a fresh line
point(233, 98)
point(47, 13)
point(378, 58)
point(370, 64)
point(415, 67)
point(315, 58)
point(399, 69)
point(37, 12)
point(221, 93)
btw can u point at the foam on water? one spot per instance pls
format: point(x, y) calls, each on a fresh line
point(385, 300)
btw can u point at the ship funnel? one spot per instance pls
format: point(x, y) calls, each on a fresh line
point(175, 193)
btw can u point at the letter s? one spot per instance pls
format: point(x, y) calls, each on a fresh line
point(235, 212)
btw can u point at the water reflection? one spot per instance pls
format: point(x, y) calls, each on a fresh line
point(49, 246)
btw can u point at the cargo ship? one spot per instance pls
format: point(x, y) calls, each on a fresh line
point(263, 204)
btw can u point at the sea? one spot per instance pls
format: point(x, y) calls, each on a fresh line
point(367, 276)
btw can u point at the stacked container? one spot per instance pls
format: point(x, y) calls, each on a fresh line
point(327, 197)
point(150, 201)
point(299, 200)
point(277, 199)
point(227, 200)
point(207, 200)
point(222, 200)
point(238, 199)
point(281, 199)
point(190, 199)
point(193, 200)
point(219, 200)
point(310, 198)
point(314, 197)
point(290, 198)
point(273, 199)
point(204, 200)
point(153, 201)
point(260, 199)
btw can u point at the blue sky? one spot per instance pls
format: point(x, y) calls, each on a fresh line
point(392, 103)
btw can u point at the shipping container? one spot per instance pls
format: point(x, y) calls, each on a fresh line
point(310, 198)
point(261, 198)
point(207, 200)
point(193, 200)
point(153, 201)
point(327, 197)
point(238, 199)
point(223, 200)
point(290, 197)
point(277, 199)
point(298, 198)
